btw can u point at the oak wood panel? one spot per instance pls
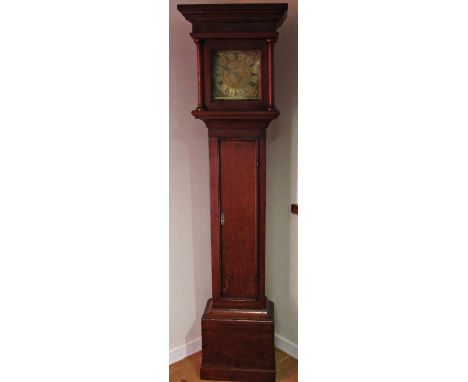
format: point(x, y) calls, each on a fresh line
point(239, 344)
point(236, 374)
point(234, 17)
point(232, 132)
point(239, 195)
point(214, 216)
point(271, 104)
point(217, 135)
point(236, 115)
point(255, 35)
point(265, 313)
point(261, 218)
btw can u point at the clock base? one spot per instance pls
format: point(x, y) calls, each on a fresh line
point(236, 374)
point(238, 344)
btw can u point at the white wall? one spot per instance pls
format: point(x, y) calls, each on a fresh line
point(281, 225)
point(189, 203)
point(189, 209)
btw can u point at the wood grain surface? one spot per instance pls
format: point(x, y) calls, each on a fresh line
point(188, 369)
point(239, 195)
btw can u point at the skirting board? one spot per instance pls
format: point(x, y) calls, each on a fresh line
point(286, 345)
point(180, 352)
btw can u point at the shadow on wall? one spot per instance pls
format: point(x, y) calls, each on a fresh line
point(189, 198)
point(196, 144)
point(282, 183)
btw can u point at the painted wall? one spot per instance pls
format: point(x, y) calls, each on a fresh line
point(189, 203)
point(189, 209)
point(281, 225)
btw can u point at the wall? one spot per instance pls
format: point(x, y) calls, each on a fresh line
point(281, 225)
point(189, 220)
point(189, 203)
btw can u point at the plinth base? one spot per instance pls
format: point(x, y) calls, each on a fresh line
point(238, 344)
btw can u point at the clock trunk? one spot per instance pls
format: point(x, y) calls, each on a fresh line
point(239, 218)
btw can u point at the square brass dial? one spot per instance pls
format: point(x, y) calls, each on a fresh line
point(236, 74)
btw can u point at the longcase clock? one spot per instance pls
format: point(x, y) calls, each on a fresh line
point(235, 100)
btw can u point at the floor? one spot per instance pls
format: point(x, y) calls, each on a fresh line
point(187, 370)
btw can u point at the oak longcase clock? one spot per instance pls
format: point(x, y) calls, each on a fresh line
point(236, 101)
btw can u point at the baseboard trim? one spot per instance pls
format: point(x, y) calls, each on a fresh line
point(180, 352)
point(286, 345)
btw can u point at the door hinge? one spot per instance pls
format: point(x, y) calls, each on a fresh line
point(222, 218)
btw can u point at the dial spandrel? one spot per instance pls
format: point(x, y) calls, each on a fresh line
point(236, 74)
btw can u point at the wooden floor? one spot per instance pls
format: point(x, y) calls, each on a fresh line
point(188, 370)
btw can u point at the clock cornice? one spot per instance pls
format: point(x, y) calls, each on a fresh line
point(235, 17)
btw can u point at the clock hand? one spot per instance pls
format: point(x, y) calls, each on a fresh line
point(225, 67)
point(237, 74)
